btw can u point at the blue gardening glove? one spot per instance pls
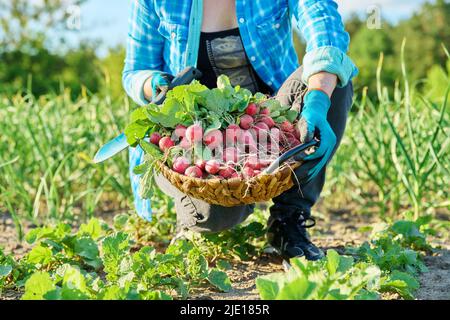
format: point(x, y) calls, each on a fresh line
point(160, 81)
point(313, 123)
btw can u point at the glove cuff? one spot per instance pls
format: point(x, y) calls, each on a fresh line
point(317, 100)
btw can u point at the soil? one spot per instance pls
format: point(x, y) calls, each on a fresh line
point(335, 230)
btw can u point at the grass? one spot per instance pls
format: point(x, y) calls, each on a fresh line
point(46, 146)
point(394, 156)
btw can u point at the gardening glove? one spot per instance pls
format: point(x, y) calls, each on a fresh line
point(313, 124)
point(160, 81)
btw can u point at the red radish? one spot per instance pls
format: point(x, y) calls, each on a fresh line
point(165, 144)
point(257, 172)
point(248, 172)
point(252, 162)
point(194, 172)
point(180, 165)
point(265, 112)
point(275, 134)
point(214, 139)
point(230, 155)
point(227, 172)
point(185, 144)
point(246, 122)
point(268, 120)
point(235, 175)
point(194, 133)
point(201, 164)
point(180, 131)
point(293, 142)
point(232, 134)
point(155, 138)
point(252, 109)
point(212, 166)
point(261, 126)
point(286, 126)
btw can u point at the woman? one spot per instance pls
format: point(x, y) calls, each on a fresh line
point(251, 42)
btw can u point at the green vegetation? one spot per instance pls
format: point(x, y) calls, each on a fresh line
point(388, 264)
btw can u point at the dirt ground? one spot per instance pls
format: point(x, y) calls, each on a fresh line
point(335, 231)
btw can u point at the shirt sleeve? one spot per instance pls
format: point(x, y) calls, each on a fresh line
point(144, 49)
point(327, 42)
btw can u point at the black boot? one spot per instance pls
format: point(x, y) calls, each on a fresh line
point(287, 234)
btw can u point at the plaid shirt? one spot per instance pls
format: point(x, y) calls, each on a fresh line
point(164, 36)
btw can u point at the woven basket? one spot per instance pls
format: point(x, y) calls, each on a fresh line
point(236, 191)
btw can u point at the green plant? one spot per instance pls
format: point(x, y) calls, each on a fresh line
point(393, 155)
point(97, 262)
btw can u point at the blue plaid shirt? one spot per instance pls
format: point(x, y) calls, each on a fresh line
point(164, 36)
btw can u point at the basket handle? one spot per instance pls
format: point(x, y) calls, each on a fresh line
point(290, 154)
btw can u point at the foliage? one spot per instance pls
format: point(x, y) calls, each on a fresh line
point(387, 264)
point(397, 146)
point(98, 262)
point(46, 170)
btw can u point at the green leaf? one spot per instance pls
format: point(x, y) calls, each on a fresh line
point(40, 255)
point(37, 286)
point(223, 265)
point(267, 288)
point(74, 285)
point(297, 289)
point(136, 131)
point(169, 115)
point(150, 149)
point(88, 250)
point(92, 229)
point(220, 280)
point(120, 221)
point(5, 270)
point(333, 260)
point(292, 115)
point(139, 114)
point(280, 119)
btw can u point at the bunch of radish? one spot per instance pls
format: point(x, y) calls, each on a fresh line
point(243, 149)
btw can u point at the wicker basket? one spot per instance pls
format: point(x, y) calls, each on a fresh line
point(236, 191)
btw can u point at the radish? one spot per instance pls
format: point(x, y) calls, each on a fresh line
point(232, 134)
point(227, 172)
point(265, 112)
point(165, 144)
point(180, 165)
point(201, 164)
point(248, 172)
point(268, 120)
point(185, 144)
point(213, 139)
point(180, 131)
point(194, 172)
point(252, 109)
point(246, 122)
point(234, 175)
point(212, 166)
point(286, 126)
point(194, 133)
point(155, 138)
point(257, 172)
point(261, 126)
point(230, 155)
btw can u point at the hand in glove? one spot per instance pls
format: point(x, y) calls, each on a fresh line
point(158, 82)
point(313, 123)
